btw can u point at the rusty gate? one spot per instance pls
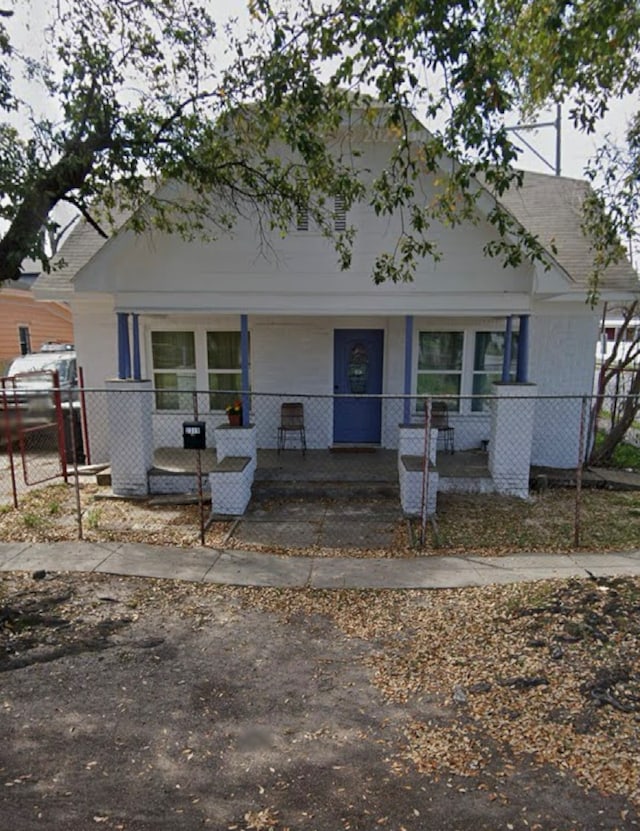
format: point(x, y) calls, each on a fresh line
point(37, 429)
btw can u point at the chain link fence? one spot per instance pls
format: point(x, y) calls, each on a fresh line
point(434, 456)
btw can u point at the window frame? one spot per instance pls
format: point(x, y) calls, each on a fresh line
point(201, 372)
point(24, 338)
point(477, 373)
point(467, 372)
point(439, 372)
point(179, 372)
point(230, 371)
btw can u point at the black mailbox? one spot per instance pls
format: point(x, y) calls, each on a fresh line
point(194, 435)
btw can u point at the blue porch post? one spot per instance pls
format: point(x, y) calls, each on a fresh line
point(136, 346)
point(124, 355)
point(408, 369)
point(244, 358)
point(506, 359)
point(522, 375)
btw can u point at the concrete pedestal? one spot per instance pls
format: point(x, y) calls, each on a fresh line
point(130, 407)
point(512, 419)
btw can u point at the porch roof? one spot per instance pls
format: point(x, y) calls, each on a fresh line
point(550, 207)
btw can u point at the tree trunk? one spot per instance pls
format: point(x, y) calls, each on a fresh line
point(602, 454)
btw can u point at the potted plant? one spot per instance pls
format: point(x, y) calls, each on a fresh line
point(234, 413)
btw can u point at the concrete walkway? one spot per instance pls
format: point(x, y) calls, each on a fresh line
point(247, 568)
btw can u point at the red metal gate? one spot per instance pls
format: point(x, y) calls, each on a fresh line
point(34, 428)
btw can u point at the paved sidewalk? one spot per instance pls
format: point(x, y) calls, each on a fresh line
point(248, 568)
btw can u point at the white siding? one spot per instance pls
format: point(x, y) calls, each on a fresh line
point(95, 339)
point(299, 274)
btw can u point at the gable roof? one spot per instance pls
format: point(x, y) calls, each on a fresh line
point(550, 207)
point(79, 247)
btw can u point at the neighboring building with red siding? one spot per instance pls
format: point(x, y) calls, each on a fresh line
point(27, 323)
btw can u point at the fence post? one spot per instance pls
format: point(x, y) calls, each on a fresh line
point(199, 472)
point(74, 456)
point(579, 469)
point(57, 407)
point(9, 437)
point(424, 502)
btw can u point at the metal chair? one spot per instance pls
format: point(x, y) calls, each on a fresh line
point(292, 421)
point(440, 422)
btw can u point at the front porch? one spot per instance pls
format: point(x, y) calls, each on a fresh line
point(245, 462)
point(327, 473)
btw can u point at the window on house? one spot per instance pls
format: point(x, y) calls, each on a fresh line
point(611, 333)
point(339, 214)
point(487, 364)
point(24, 339)
point(224, 361)
point(440, 365)
point(174, 369)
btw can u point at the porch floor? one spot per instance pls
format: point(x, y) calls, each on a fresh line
point(377, 465)
point(324, 465)
point(468, 464)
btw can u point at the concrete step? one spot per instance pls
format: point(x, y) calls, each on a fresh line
point(263, 489)
point(103, 477)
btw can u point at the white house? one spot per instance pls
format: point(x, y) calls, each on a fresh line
point(155, 311)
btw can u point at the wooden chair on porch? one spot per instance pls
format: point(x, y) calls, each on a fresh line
point(292, 421)
point(440, 422)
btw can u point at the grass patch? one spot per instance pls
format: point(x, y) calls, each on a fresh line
point(32, 520)
point(625, 455)
point(489, 524)
point(483, 524)
point(93, 518)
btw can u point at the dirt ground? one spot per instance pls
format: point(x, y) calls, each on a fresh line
point(138, 704)
point(478, 524)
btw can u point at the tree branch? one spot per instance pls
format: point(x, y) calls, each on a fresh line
point(45, 191)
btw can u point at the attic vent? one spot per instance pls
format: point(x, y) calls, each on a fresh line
point(339, 214)
point(302, 217)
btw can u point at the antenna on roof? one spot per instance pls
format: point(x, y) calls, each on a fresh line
point(557, 125)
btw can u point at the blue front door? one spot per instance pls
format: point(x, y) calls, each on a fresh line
point(357, 374)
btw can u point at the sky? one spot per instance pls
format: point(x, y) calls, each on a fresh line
point(30, 16)
point(577, 148)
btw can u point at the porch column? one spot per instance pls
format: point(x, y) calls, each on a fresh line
point(522, 373)
point(137, 375)
point(408, 368)
point(244, 359)
point(124, 354)
point(130, 409)
point(511, 437)
point(506, 359)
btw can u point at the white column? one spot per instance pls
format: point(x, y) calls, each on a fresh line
point(130, 406)
point(512, 418)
